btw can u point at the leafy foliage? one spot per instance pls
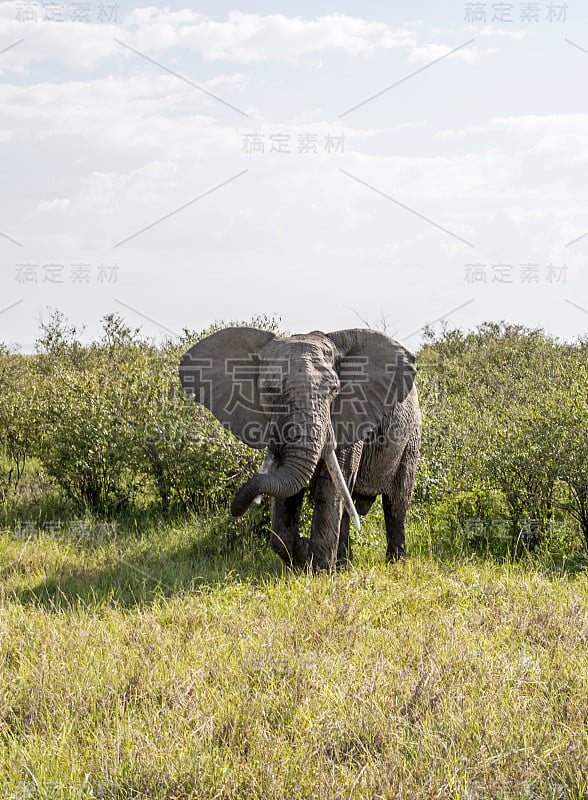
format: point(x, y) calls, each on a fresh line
point(19, 419)
point(111, 423)
point(511, 423)
point(505, 435)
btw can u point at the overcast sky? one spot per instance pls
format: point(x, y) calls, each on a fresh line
point(328, 163)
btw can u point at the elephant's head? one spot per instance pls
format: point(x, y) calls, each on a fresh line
point(299, 397)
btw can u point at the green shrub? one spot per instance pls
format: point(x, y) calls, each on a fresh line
point(117, 424)
point(19, 420)
point(512, 419)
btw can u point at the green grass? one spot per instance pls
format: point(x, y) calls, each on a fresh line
point(179, 661)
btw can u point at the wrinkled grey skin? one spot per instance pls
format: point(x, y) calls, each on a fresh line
point(301, 397)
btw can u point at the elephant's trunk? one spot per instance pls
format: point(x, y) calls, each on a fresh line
point(294, 472)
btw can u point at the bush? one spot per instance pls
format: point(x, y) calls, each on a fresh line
point(117, 424)
point(512, 418)
point(19, 420)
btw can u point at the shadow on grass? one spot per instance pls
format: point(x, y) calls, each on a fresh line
point(153, 558)
point(140, 567)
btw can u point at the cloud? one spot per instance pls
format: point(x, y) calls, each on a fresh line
point(129, 114)
point(499, 33)
point(250, 38)
point(241, 38)
point(555, 139)
point(57, 204)
point(523, 125)
point(75, 44)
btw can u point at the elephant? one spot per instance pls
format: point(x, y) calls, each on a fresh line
point(336, 413)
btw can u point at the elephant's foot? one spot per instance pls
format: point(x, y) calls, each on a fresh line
point(394, 554)
point(318, 559)
point(293, 551)
point(302, 551)
point(344, 556)
point(303, 557)
point(344, 561)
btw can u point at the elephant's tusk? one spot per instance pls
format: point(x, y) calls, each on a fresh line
point(269, 465)
point(341, 487)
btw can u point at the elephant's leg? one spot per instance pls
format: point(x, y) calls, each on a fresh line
point(344, 555)
point(395, 519)
point(285, 540)
point(326, 521)
point(396, 501)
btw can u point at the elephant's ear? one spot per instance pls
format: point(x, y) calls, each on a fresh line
point(375, 372)
point(221, 372)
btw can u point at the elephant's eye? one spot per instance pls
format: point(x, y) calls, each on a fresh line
point(270, 382)
point(334, 389)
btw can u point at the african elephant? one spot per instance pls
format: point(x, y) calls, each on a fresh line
point(337, 413)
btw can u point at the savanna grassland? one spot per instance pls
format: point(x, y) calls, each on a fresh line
point(153, 647)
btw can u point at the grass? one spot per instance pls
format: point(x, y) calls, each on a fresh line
point(179, 661)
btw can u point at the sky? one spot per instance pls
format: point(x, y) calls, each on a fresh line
point(334, 165)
